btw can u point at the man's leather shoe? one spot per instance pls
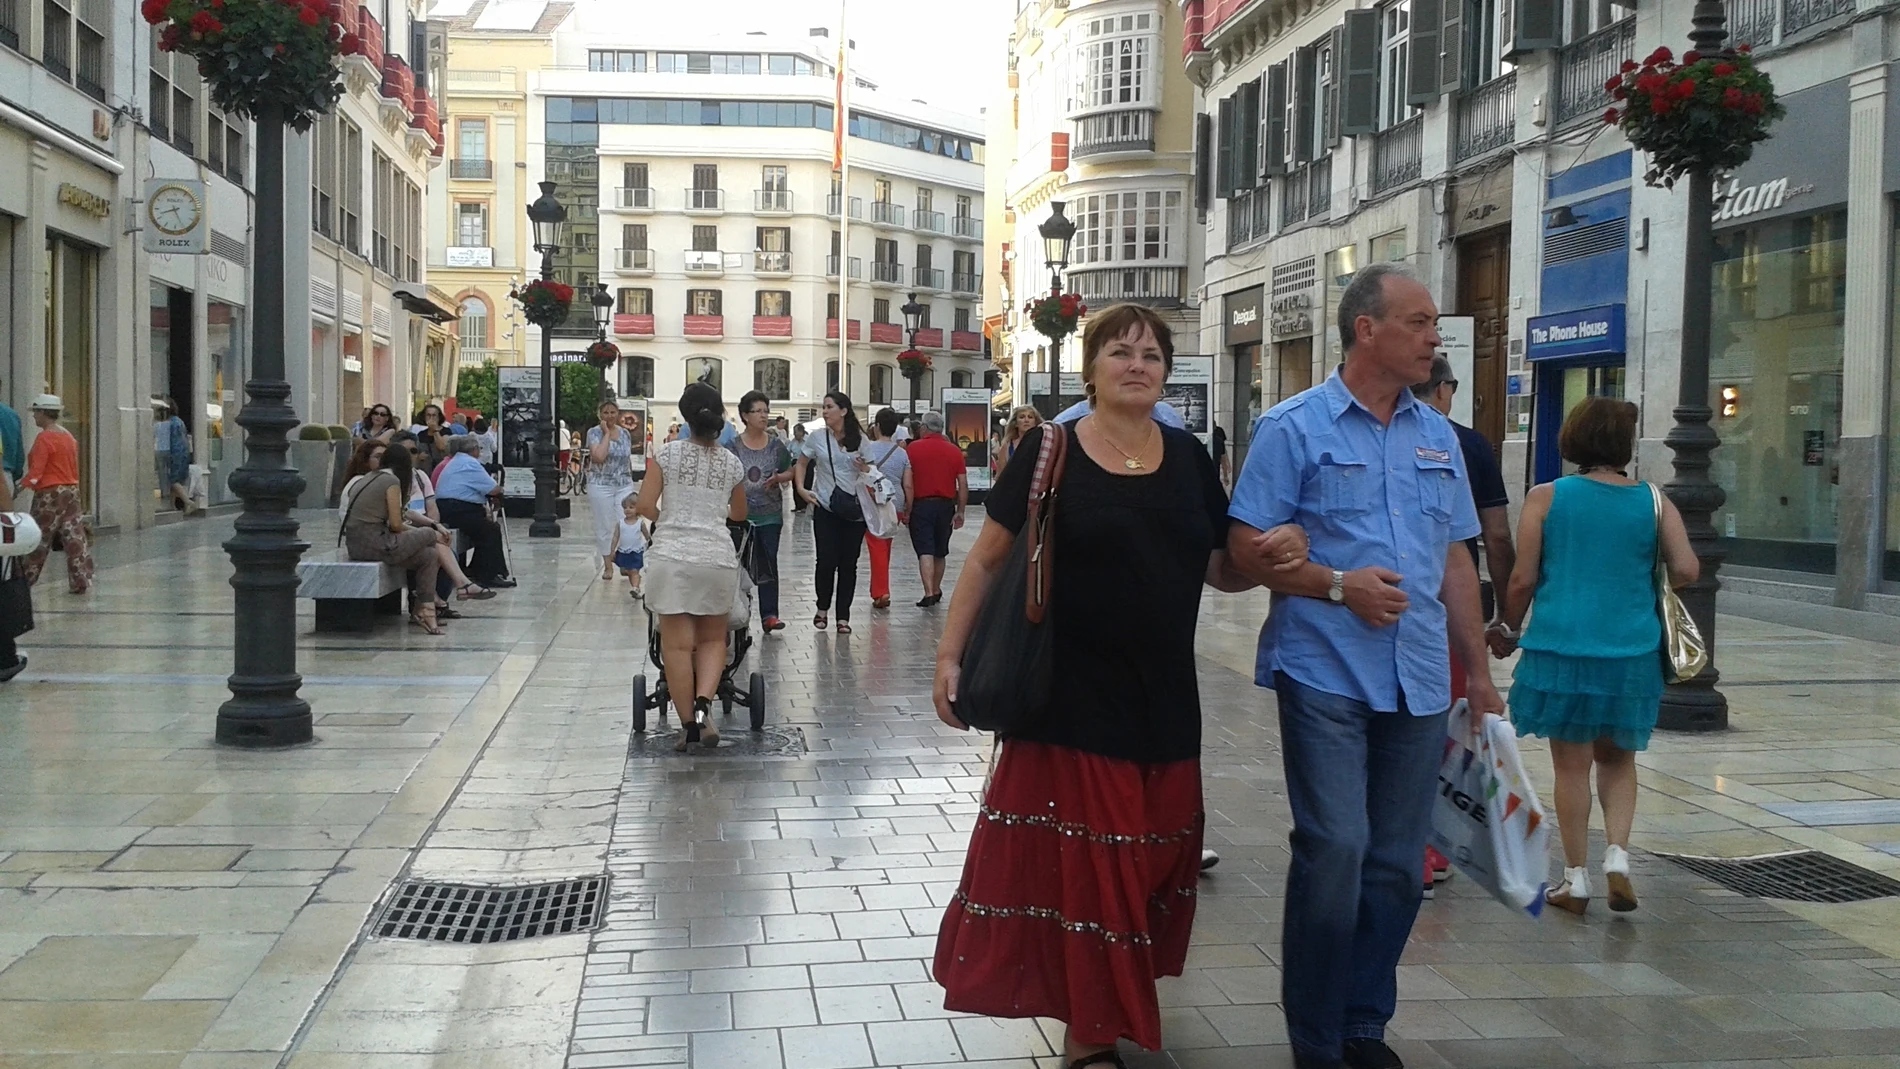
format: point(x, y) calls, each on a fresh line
point(1371, 1054)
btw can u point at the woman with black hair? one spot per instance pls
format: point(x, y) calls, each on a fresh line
point(831, 454)
point(378, 526)
point(692, 489)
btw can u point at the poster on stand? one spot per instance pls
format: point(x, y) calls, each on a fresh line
point(520, 389)
point(633, 416)
point(966, 421)
point(1190, 390)
point(1457, 335)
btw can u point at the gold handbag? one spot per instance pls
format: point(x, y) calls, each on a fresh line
point(1684, 654)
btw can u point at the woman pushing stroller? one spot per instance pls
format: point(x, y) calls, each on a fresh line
point(692, 490)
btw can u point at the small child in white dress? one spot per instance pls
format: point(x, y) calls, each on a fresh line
point(630, 544)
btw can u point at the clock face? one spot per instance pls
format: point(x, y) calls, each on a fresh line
point(174, 210)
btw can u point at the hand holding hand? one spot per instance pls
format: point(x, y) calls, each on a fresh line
point(1374, 596)
point(1282, 549)
point(1500, 644)
point(944, 694)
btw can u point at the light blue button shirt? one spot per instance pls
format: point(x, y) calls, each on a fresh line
point(1368, 495)
point(463, 479)
point(1164, 414)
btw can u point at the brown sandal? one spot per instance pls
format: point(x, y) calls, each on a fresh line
point(425, 619)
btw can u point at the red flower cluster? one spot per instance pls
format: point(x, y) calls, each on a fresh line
point(257, 52)
point(1706, 112)
point(913, 362)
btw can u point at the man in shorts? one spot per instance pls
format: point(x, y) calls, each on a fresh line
point(941, 492)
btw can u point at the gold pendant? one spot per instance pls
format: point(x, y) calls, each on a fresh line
point(1132, 464)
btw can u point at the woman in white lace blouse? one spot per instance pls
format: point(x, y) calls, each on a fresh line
point(692, 489)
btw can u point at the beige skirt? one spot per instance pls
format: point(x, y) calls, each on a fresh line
point(672, 588)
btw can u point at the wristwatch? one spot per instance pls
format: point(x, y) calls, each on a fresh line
point(1337, 592)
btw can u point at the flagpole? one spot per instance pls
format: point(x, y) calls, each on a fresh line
point(841, 119)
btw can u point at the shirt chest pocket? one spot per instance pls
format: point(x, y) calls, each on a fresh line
point(1345, 487)
point(1437, 481)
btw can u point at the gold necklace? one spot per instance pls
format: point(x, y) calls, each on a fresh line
point(1131, 461)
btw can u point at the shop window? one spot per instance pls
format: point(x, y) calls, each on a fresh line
point(880, 393)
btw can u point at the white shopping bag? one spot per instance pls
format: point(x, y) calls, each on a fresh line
point(1486, 818)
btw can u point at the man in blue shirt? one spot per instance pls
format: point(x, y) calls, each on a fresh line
point(462, 494)
point(1356, 649)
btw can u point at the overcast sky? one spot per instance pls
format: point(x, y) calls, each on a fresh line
point(953, 55)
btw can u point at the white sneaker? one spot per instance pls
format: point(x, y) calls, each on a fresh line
point(1209, 859)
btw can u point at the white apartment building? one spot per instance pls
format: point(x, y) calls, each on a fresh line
point(698, 179)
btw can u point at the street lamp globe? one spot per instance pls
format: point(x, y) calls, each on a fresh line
point(913, 314)
point(603, 308)
point(547, 215)
point(1057, 231)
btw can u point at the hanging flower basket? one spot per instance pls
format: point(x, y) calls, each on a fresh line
point(544, 303)
point(260, 55)
point(1705, 113)
point(913, 363)
point(1055, 316)
point(602, 354)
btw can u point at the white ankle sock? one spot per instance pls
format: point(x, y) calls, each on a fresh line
point(1578, 880)
point(1616, 859)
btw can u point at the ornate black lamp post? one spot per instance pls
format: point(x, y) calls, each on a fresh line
point(603, 315)
point(265, 709)
point(913, 322)
point(1057, 231)
point(547, 215)
point(1695, 704)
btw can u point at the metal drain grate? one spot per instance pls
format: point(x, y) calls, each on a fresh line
point(657, 743)
point(470, 913)
point(1799, 876)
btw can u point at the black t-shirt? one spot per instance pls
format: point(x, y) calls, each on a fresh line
point(1481, 468)
point(1130, 560)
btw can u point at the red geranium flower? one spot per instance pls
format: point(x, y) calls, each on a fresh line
point(205, 22)
point(1692, 56)
point(1723, 70)
point(1612, 85)
point(1628, 66)
point(309, 17)
point(1659, 105)
point(153, 11)
point(1661, 55)
point(350, 45)
point(1744, 49)
point(1685, 88)
point(1612, 116)
point(168, 41)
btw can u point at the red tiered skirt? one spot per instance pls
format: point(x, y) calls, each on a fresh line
point(1077, 892)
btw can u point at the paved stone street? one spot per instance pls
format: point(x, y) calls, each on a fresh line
point(166, 904)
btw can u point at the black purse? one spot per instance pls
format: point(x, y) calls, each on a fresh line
point(843, 503)
point(1007, 670)
point(16, 601)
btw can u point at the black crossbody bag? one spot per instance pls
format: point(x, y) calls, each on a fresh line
point(843, 504)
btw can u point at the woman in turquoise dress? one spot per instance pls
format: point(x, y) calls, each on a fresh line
point(1590, 677)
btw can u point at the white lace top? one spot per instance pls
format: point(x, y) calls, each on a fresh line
point(695, 498)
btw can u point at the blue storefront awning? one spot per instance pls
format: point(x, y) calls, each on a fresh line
point(1587, 332)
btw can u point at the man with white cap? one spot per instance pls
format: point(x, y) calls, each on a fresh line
point(52, 473)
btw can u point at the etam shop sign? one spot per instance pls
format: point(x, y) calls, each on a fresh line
point(1736, 201)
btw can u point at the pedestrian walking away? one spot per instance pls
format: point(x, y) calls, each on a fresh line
point(1357, 648)
point(941, 483)
point(831, 459)
point(692, 490)
point(52, 473)
point(171, 454)
point(609, 479)
point(767, 461)
point(1078, 888)
point(1589, 678)
point(885, 452)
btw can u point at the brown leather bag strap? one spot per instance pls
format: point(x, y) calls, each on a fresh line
point(1051, 459)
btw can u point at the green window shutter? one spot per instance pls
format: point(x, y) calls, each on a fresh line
point(1247, 137)
point(1224, 167)
point(1451, 45)
point(1273, 121)
point(1203, 162)
point(1422, 80)
point(1538, 25)
point(1357, 61)
point(1305, 79)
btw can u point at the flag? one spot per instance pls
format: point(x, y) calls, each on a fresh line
point(837, 112)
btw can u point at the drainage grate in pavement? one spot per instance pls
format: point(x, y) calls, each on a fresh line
point(1799, 876)
point(734, 742)
point(471, 913)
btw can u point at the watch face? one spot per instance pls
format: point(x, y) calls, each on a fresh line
point(174, 210)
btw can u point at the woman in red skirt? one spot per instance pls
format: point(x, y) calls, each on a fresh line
point(1078, 889)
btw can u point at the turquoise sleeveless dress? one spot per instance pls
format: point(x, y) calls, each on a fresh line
point(1591, 666)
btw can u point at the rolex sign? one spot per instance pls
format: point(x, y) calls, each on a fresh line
point(174, 216)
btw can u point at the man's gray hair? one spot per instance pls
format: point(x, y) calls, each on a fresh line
point(1441, 374)
point(464, 443)
point(1365, 296)
point(933, 421)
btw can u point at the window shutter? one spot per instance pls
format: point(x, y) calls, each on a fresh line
point(1247, 137)
point(1305, 71)
point(1224, 167)
point(1451, 45)
point(1540, 25)
point(1273, 122)
point(1358, 64)
point(1422, 80)
point(1335, 85)
point(1203, 161)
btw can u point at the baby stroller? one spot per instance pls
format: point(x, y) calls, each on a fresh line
point(738, 644)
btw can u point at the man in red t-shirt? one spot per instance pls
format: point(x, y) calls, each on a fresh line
point(940, 492)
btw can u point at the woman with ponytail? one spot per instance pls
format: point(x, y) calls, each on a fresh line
point(692, 489)
point(838, 520)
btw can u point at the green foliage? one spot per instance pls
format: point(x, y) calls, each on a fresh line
point(259, 53)
point(339, 433)
point(1704, 114)
point(578, 388)
point(313, 432)
point(479, 388)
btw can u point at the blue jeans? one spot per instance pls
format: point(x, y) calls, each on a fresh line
point(765, 539)
point(1360, 785)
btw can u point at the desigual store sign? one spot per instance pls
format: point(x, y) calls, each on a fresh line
point(1243, 318)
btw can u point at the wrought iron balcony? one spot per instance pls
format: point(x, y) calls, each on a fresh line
point(1398, 155)
point(1586, 64)
point(477, 170)
point(1798, 15)
point(1159, 287)
point(1130, 130)
point(1485, 118)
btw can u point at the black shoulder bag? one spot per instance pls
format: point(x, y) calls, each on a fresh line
point(1007, 667)
point(843, 504)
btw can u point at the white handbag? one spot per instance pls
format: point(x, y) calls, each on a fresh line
point(19, 534)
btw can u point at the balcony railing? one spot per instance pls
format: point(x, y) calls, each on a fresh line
point(477, 170)
point(705, 326)
point(633, 199)
point(370, 32)
point(853, 329)
point(1246, 216)
point(774, 328)
point(1159, 287)
point(1397, 155)
point(1486, 118)
point(772, 200)
point(887, 334)
point(425, 117)
point(856, 267)
point(890, 273)
point(927, 278)
point(468, 357)
point(1319, 188)
point(966, 341)
point(705, 200)
point(1292, 198)
point(772, 263)
point(832, 204)
point(1752, 22)
point(399, 83)
point(1798, 15)
point(635, 260)
point(965, 282)
point(1586, 64)
point(887, 214)
point(929, 337)
point(923, 220)
point(1114, 131)
point(966, 226)
point(704, 262)
point(633, 325)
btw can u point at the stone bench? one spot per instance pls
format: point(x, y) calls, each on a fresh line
point(350, 594)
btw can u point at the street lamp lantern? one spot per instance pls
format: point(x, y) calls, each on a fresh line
point(547, 215)
point(1057, 232)
point(603, 309)
point(913, 322)
point(913, 315)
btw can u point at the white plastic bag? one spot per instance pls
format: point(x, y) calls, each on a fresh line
point(878, 499)
point(1486, 818)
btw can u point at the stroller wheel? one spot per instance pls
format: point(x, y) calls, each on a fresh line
point(755, 701)
point(640, 702)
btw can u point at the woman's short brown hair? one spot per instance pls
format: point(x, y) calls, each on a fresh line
point(1599, 433)
point(1119, 321)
